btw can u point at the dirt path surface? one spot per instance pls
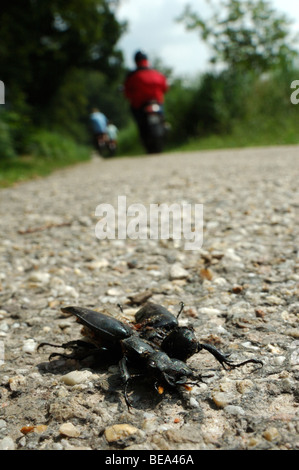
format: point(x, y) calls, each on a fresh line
point(240, 292)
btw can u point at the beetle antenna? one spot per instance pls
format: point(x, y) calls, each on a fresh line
point(120, 308)
point(182, 305)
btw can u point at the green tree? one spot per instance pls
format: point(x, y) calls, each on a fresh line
point(40, 42)
point(80, 92)
point(244, 34)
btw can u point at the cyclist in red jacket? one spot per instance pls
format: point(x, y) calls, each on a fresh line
point(142, 85)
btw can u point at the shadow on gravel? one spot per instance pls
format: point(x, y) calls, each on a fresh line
point(142, 392)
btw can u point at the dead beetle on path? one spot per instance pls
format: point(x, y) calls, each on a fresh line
point(107, 334)
point(155, 344)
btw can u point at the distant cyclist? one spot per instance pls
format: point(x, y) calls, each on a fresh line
point(98, 123)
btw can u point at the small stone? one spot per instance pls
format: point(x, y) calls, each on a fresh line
point(209, 311)
point(4, 327)
point(150, 424)
point(64, 324)
point(60, 289)
point(220, 281)
point(41, 277)
point(243, 386)
point(27, 429)
point(260, 313)
point(271, 434)
point(140, 298)
point(178, 272)
point(294, 332)
point(253, 442)
point(294, 359)
point(237, 289)
point(118, 432)
point(274, 349)
point(98, 264)
point(7, 443)
point(3, 424)
point(29, 345)
point(115, 292)
point(231, 255)
point(274, 300)
point(278, 360)
point(234, 410)
point(194, 403)
point(57, 446)
point(226, 385)
point(40, 428)
point(221, 399)
point(17, 382)
point(22, 441)
point(69, 430)
point(206, 273)
point(76, 377)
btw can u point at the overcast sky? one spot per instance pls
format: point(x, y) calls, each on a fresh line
point(152, 28)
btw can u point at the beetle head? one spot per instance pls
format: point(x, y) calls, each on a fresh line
point(173, 371)
point(180, 343)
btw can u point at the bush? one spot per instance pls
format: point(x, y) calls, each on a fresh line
point(7, 150)
point(129, 141)
point(56, 147)
point(46, 152)
point(179, 103)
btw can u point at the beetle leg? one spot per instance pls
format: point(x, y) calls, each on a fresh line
point(64, 356)
point(41, 345)
point(120, 308)
point(75, 345)
point(223, 358)
point(68, 345)
point(182, 305)
point(198, 379)
point(126, 377)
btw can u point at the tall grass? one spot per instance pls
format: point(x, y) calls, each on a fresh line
point(128, 140)
point(47, 151)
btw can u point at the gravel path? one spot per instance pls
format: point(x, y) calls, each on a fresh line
point(240, 292)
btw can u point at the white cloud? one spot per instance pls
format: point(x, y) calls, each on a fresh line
point(152, 28)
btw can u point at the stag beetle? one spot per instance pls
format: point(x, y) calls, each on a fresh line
point(119, 339)
point(158, 325)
